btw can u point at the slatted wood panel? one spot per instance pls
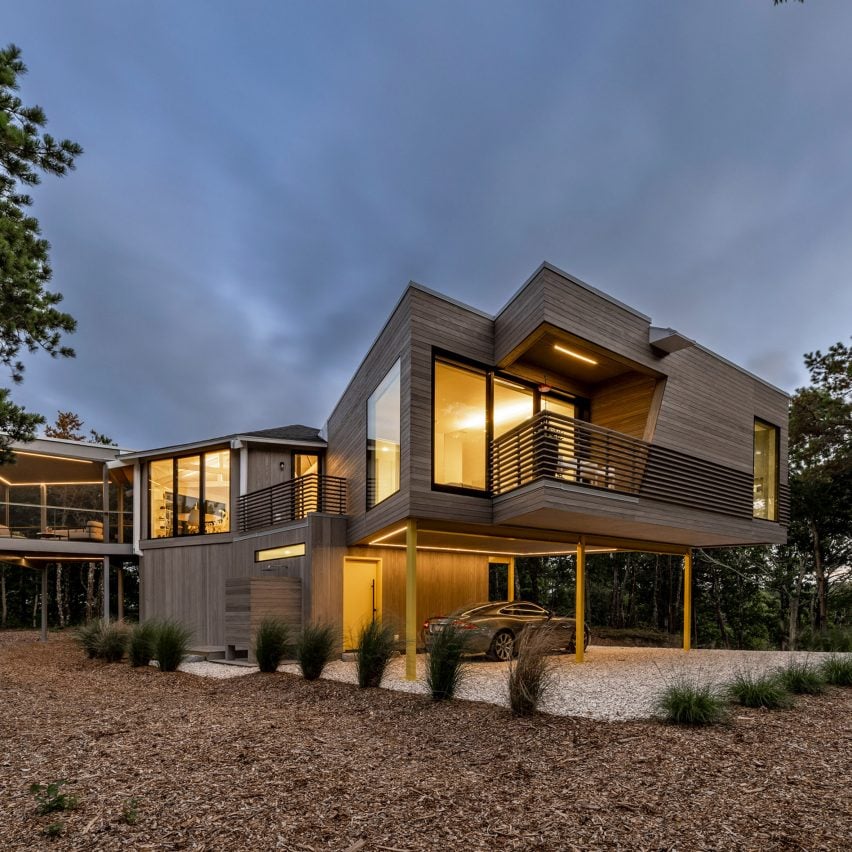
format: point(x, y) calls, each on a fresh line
point(264, 466)
point(249, 600)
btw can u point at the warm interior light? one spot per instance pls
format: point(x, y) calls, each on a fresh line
point(56, 458)
point(566, 351)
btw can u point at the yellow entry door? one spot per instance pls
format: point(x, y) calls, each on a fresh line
point(361, 597)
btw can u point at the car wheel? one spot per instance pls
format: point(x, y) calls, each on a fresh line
point(502, 646)
point(571, 647)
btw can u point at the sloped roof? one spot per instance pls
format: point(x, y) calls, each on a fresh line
point(294, 432)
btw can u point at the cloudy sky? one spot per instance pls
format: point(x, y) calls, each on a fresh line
point(261, 180)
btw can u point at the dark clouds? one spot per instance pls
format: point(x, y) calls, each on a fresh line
point(261, 181)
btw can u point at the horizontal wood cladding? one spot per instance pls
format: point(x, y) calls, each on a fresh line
point(347, 427)
point(445, 581)
point(553, 505)
point(438, 324)
point(623, 404)
point(250, 600)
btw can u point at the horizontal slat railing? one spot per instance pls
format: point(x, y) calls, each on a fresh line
point(291, 501)
point(553, 446)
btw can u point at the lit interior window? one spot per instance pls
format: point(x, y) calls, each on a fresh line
point(383, 438)
point(287, 552)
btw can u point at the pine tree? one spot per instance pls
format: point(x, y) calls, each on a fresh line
point(29, 316)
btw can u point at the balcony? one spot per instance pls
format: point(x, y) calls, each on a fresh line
point(552, 446)
point(44, 522)
point(292, 500)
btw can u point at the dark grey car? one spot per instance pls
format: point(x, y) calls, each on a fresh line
point(493, 628)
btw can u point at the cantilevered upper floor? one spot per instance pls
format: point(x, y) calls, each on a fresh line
point(568, 413)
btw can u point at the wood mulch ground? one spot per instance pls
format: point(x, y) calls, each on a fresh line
point(272, 762)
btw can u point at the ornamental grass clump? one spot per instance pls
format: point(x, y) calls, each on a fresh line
point(270, 643)
point(376, 646)
point(445, 668)
point(837, 670)
point(803, 678)
point(531, 675)
point(687, 702)
point(87, 637)
point(315, 649)
point(171, 642)
point(753, 690)
point(140, 645)
point(111, 643)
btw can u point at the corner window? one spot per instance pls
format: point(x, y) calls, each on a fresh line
point(190, 495)
point(459, 447)
point(765, 471)
point(383, 439)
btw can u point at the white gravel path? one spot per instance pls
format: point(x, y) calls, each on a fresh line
point(613, 684)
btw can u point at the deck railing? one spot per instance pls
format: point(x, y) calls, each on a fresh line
point(291, 501)
point(553, 446)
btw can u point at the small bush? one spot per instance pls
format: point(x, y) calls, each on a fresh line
point(270, 643)
point(171, 642)
point(837, 670)
point(835, 638)
point(687, 702)
point(54, 829)
point(140, 645)
point(315, 649)
point(802, 678)
point(111, 642)
point(87, 637)
point(766, 690)
point(530, 676)
point(445, 669)
point(376, 646)
point(50, 798)
point(130, 812)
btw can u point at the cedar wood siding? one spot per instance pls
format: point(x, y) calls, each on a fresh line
point(347, 427)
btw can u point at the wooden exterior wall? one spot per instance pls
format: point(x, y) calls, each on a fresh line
point(445, 581)
point(624, 404)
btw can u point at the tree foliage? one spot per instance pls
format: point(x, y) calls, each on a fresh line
point(30, 318)
point(68, 425)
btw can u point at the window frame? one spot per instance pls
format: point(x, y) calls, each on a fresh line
point(581, 405)
point(777, 461)
point(202, 497)
point(368, 506)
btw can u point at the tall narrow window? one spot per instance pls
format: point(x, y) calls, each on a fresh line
point(161, 489)
point(217, 491)
point(459, 412)
point(765, 471)
point(383, 433)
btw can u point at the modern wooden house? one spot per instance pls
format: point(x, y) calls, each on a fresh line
point(567, 423)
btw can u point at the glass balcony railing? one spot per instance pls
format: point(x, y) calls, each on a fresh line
point(65, 523)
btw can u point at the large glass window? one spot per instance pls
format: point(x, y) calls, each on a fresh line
point(513, 404)
point(383, 438)
point(190, 495)
point(459, 411)
point(765, 471)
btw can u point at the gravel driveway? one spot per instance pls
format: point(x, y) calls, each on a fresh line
point(614, 683)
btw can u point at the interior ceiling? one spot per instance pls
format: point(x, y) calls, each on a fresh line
point(31, 468)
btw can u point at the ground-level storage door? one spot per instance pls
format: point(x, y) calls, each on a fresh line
point(362, 579)
point(248, 600)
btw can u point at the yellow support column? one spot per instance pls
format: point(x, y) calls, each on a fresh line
point(411, 600)
point(687, 599)
point(511, 579)
point(580, 601)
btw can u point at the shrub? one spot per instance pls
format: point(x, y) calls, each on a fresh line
point(837, 670)
point(802, 678)
point(765, 690)
point(376, 646)
point(530, 676)
point(171, 641)
point(270, 643)
point(140, 645)
point(687, 702)
point(315, 649)
point(111, 642)
point(445, 668)
point(130, 812)
point(87, 637)
point(50, 798)
point(835, 638)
